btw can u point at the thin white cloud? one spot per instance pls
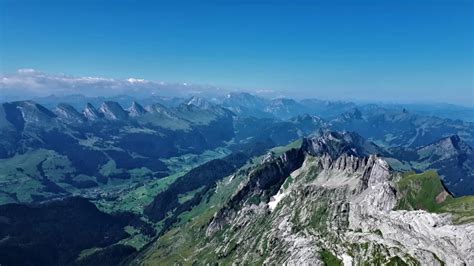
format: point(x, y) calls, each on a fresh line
point(34, 83)
point(26, 70)
point(134, 80)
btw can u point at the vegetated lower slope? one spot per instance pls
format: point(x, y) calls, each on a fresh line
point(56, 233)
point(48, 154)
point(326, 202)
point(425, 191)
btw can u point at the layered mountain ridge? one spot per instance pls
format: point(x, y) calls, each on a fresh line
point(46, 155)
point(119, 140)
point(245, 180)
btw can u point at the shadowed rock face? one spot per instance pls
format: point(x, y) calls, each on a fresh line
point(334, 144)
point(263, 182)
point(68, 114)
point(136, 110)
point(91, 113)
point(113, 111)
point(200, 102)
point(27, 114)
point(336, 151)
point(54, 233)
point(158, 108)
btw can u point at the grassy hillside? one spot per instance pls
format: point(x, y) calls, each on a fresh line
point(137, 195)
point(33, 175)
point(426, 192)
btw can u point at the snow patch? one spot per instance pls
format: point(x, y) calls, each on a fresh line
point(276, 199)
point(346, 260)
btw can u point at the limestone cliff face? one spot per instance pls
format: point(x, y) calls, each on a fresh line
point(91, 114)
point(317, 198)
point(427, 237)
point(113, 111)
point(68, 114)
point(136, 110)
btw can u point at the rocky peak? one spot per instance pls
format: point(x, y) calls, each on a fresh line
point(452, 158)
point(90, 113)
point(268, 157)
point(34, 113)
point(307, 118)
point(455, 142)
point(263, 181)
point(354, 114)
point(380, 171)
point(446, 148)
point(449, 144)
point(334, 144)
point(283, 101)
point(243, 99)
point(200, 103)
point(68, 114)
point(136, 110)
point(113, 111)
point(455, 139)
point(11, 117)
point(157, 108)
point(22, 114)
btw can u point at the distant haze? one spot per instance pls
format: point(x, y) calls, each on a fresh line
point(371, 50)
point(30, 83)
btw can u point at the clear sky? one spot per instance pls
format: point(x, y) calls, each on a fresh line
point(377, 50)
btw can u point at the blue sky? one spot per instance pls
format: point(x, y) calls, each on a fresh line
point(369, 50)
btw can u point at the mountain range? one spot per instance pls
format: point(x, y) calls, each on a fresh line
point(239, 179)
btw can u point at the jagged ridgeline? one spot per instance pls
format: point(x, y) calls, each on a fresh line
point(70, 150)
point(189, 182)
point(326, 200)
point(47, 154)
